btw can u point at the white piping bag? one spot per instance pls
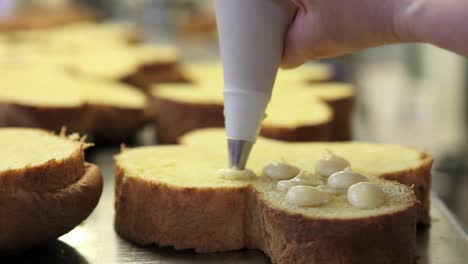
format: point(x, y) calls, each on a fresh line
point(251, 36)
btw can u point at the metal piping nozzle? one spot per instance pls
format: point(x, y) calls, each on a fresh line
point(239, 151)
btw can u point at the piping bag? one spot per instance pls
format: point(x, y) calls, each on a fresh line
point(251, 37)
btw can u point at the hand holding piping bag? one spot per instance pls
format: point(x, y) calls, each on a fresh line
point(329, 28)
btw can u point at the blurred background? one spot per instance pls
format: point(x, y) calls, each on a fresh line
point(408, 94)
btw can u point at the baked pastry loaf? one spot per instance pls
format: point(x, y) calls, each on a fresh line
point(291, 116)
point(414, 166)
point(52, 99)
point(46, 188)
point(173, 196)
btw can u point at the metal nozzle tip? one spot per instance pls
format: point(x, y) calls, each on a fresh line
point(238, 151)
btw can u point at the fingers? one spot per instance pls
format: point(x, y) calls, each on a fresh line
point(301, 4)
point(295, 43)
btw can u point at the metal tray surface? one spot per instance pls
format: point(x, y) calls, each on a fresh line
point(95, 241)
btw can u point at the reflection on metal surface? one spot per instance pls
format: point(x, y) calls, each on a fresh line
point(78, 237)
point(238, 151)
point(96, 242)
point(54, 252)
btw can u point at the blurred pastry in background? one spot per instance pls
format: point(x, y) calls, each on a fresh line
point(339, 96)
point(116, 58)
point(79, 37)
point(209, 71)
point(140, 66)
point(42, 14)
point(292, 115)
point(48, 99)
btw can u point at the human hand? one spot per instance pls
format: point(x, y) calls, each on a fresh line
point(329, 28)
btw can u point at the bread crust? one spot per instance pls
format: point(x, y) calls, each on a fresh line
point(175, 118)
point(202, 220)
point(115, 124)
point(28, 218)
point(77, 118)
point(293, 238)
point(421, 181)
point(231, 218)
point(48, 177)
point(105, 122)
point(150, 74)
point(316, 132)
point(341, 125)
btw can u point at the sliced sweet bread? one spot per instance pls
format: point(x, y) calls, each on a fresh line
point(176, 196)
point(46, 187)
point(414, 165)
point(44, 98)
point(181, 108)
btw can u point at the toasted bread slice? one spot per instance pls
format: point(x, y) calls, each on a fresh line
point(172, 196)
point(46, 188)
point(291, 116)
point(52, 99)
point(414, 165)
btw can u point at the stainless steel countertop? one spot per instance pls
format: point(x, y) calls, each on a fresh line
point(95, 241)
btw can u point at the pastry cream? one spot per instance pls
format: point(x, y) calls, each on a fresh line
point(235, 174)
point(307, 196)
point(329, 164)
point(280, 171)
point(366, 195)
point(344, 179)
point(331, 190)
point(303, 178)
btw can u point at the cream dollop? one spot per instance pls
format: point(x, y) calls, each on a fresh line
point(280, 171)
point(344, 179)
point(303, 178)
point(330, 163)
point(235, 174)
point(306, 196)
point(366, 195)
